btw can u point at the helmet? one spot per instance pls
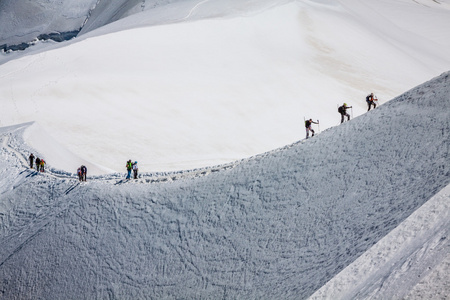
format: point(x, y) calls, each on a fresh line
point(345, 104)
point(135, 162)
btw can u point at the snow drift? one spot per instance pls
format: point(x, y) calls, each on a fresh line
point(278, 225)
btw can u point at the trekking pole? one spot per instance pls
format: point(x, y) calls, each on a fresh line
point(351, 111)
point(318, 125)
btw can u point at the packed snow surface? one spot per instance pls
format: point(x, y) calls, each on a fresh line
point(188, 84)
point(279, 225)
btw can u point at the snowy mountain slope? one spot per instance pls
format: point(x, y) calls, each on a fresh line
point(279, 225)
point(194, 94)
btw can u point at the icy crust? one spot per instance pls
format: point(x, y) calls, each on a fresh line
point(276, 226)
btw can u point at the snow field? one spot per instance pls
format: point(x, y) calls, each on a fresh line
point(214, 90)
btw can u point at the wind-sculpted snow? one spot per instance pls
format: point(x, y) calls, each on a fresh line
point(275, 226)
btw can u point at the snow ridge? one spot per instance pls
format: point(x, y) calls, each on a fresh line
point(279, 225)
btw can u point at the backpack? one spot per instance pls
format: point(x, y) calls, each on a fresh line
point(341, 109)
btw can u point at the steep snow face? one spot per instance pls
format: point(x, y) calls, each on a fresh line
point(279, 225)
point(411, 262)
point(193, 94)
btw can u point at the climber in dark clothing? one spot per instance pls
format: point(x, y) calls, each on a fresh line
point(370, 99)
point(83, 170)
point(31, 160)
point(343, 111)
point(308, 127)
